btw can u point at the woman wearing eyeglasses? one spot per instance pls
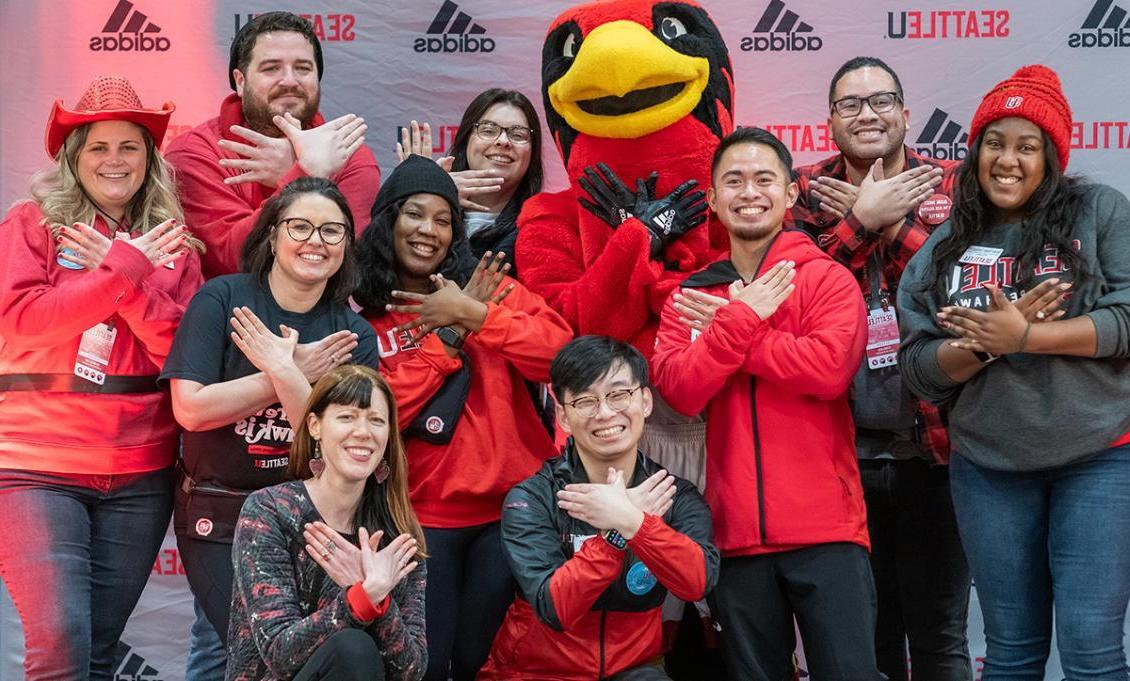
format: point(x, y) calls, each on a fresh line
point(471, 430)
point(244, 357)
point(495, 160)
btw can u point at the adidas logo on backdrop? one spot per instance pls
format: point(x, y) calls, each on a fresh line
point(460, 35)
point(1105, 26)
point(789, 35)
point(134, 35)
point(942, 138)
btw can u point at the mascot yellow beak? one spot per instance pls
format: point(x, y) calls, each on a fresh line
point(625, 83)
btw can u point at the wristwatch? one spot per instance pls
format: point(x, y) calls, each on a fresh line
point(450, 337)
point(615, 538)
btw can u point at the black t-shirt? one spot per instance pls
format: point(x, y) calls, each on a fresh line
point(251, 453)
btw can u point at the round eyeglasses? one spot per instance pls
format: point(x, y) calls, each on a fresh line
point(489, 131)
point(301, 229)
point(617, 401)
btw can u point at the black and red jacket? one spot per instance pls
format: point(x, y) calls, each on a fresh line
point(587, 610)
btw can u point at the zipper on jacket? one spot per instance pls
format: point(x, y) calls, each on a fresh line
point(757, 458)
point(603, 615)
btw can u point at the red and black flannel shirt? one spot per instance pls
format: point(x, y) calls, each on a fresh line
point(851, 244)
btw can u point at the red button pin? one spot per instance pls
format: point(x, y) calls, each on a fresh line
point(936, 209)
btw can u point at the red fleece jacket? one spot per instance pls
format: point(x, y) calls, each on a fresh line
point(781, 471)
point(46, 308)
point(499, 440)
point(222, 215)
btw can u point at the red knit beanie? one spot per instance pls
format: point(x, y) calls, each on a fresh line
point(1034, 93)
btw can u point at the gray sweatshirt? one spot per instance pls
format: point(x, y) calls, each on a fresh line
point(1026, 411)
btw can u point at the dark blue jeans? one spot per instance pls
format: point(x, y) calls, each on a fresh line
point(1038, 540)
point(921, 576)
point(76, 554)
point(469, 589)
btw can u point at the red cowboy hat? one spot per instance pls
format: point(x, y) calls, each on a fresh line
point(109, 98)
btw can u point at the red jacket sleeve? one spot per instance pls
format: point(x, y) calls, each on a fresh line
point(223, 215)
point(688, 373)
point(676, 560)
point(821, 359)
point(576, 585)
point(525, 331)
point(609, 295)
point(152, 313)
point(37, 312)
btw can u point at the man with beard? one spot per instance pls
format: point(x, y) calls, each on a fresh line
point(871, 207)
point(268, 133)
point(771, 368)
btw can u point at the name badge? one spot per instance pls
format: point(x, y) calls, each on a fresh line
point(882, 338)
point(94, 353)
point(981, 255)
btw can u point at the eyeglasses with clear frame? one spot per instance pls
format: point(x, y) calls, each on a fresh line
point(880, 102)
point(489, 131)
point(301, 229)
point(617, 401)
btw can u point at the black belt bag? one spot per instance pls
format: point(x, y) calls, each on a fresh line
point(69, 383)
point(206, 511)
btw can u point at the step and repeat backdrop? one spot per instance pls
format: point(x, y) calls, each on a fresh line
point(393, 62)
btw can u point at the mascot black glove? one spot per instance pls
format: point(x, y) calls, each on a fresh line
point(669, 218)
point(612, 201)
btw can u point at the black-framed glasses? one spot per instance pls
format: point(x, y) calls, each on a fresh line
point(489, 131)
point(880, 102)
point(617, 401)
point(301, 229)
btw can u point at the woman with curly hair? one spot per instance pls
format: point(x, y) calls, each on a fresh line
point(457, 356)
point(1040, 473)
point(95, 272)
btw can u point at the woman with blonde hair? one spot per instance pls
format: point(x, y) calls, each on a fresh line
point(95, 273)
point(329, 578)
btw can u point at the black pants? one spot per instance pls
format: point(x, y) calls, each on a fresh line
point(828, 589)
point(921, 576)
point(208, 567)
point(348, 655)
point(644, 672)
point(469, 589)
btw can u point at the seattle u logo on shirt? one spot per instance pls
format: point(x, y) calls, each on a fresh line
point(967, 281)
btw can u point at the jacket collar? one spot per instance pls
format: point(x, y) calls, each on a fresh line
point(568, 468)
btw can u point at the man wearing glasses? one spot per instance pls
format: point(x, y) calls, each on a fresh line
point(269, 132)
point(871, 207)
point(600, 534)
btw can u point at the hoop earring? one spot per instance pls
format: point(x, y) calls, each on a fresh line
point(317, 463)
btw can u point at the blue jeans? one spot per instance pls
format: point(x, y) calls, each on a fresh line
point(207, 658)
point(1051, 537)
point(76, 555)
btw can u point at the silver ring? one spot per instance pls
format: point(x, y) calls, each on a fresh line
point(333, 358)
point(1040, 314)
point(330, 546)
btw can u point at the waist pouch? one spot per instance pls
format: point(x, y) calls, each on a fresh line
point(206, 511)
point(882, 400)
point(436, 422)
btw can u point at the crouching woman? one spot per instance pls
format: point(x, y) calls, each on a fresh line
point(329, 570)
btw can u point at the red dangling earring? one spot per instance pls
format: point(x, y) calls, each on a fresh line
point(382, 472)
point(317, 464)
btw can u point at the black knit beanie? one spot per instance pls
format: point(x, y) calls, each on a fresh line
point(416, 175)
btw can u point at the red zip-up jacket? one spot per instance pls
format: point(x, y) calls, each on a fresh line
point(222, 215)
point(591, 612)
point(46, 308)
point(499, 440)
point(781, 471)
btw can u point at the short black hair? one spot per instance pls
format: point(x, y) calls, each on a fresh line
point(244, 41)
point(751, 135)
point(585, 360)
point(861, 63)
point(257, 255)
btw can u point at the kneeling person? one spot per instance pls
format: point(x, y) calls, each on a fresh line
point(600, 534)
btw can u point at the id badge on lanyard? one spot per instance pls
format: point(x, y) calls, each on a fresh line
point(882, 323)
point(94, 352)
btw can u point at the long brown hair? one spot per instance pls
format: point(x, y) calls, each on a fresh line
point(384, 506)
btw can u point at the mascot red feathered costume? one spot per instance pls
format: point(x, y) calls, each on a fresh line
point(641, 87)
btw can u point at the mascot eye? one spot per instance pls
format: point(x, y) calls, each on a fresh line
point(672, 28)
point(569, 49)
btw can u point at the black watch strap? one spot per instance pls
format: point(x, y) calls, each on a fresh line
point(450, 337)
point(615, 539)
